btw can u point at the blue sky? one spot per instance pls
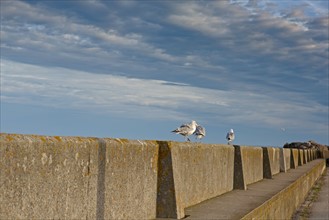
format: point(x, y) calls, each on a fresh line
point(139, 69)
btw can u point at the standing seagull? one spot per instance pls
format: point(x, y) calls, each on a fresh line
point(200, 132)
point(186, 129)
point(230, 136)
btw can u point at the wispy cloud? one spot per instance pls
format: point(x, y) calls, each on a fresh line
point(59, 87)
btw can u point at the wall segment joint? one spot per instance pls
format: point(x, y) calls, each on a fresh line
point(166, 195)
point(267, 173)
point(101, 179)
point(239, 180)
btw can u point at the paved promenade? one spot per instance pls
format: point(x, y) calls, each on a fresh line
point(320, 208)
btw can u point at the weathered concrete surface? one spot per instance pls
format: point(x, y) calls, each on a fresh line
point(314, 154)
point(252, 162)
point(320, 208)
point(130, 182)
point(285, 203)
point(325, 154)
point(305, 156)
point(200, 172)
point(294, 158)
point(301, 157)
point(274, 159)
point(275, 198)
point(48, 177)
point(309, 155)
point(285, 155)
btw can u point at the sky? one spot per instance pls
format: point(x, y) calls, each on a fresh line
point(140, 69)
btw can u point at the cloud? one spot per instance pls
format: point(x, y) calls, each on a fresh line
point(110, 94)
point(89, 89)
point(40, 33)
point(253, 29)
point(53, 33)
point(199, 18)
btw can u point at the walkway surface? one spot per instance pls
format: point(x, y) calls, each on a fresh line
point(320, 208)
point(238, 203)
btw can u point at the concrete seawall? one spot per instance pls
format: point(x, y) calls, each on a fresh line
point(128, 179)
point(91, 178)
point(77, 178)
point(285, 203)
point(285, 156)
point(301, 159)
point(276, 198)
point(294, 161)
point(199, 172)
point(252, 159)
point(48, 177)
point(271, 162)
point(248, 166)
